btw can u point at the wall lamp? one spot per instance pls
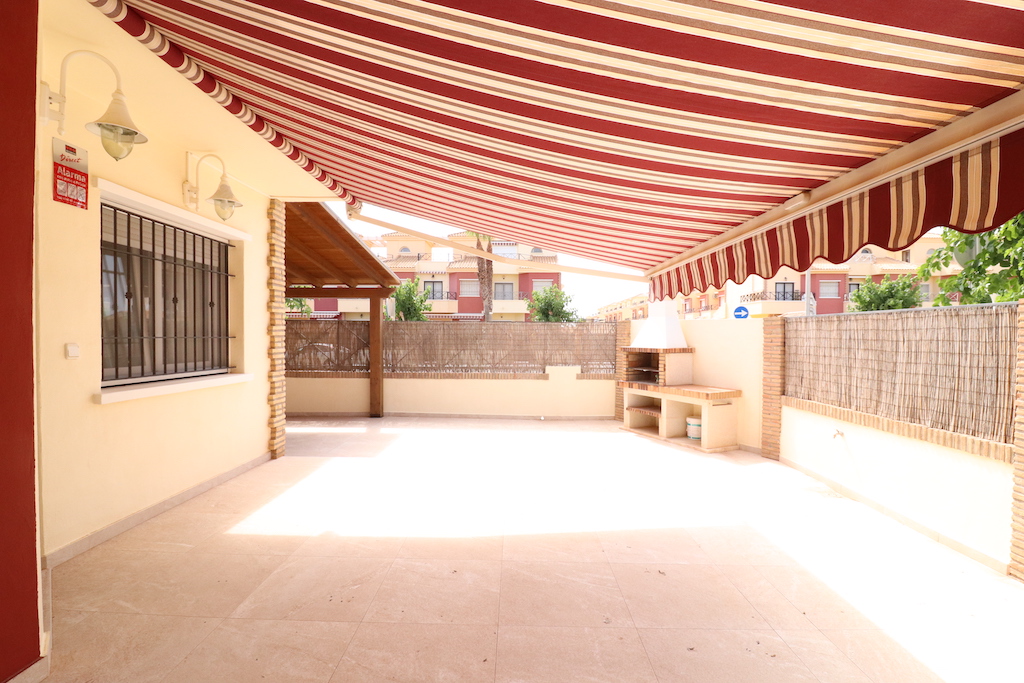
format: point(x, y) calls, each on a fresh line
point(116, 129)
point(223, 200)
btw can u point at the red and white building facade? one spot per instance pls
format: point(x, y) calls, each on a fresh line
point(830, 283)
point(450, 277)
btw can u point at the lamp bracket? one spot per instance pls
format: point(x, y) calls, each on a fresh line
point(190, 195)
point(48, 98)
point(51, 105)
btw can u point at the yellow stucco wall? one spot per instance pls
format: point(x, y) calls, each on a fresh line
point(728, 354)
point(561, 395)
point(958, 498)
point(101, 463)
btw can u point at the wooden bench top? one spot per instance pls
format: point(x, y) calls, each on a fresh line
point(697, 391)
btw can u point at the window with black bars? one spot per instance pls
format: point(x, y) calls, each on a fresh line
point(165, 300)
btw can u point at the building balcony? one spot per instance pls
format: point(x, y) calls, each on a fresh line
point(446, 304)
point(795, 295)
point(442, 296)
point(510, 305)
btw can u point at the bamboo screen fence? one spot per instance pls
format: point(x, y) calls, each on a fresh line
point(455, 347)
point(327, 345)
point(945, 368)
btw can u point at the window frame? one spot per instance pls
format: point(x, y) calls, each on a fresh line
point(510, 286)
point(821, 287)
point(463, 282)
point(786, 289)
point(131, 200)
point(434, 289)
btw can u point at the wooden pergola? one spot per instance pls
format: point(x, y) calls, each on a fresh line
point(323, 258)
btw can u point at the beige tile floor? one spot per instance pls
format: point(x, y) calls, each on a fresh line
point(420, 550)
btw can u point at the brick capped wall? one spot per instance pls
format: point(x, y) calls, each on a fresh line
point(623, 329)
point(773, 385)
point(1016, 567)
point(276, 330)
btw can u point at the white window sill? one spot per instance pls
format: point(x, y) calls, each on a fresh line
point(162, 388)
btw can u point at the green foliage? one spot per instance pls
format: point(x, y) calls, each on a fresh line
point(410, 302)
point(1001, 250)
point(551, 305)
point(887, 295)
point(299, 305)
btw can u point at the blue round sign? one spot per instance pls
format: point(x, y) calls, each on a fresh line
point(741, 312)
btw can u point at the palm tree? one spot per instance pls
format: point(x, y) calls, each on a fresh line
point(485, 274)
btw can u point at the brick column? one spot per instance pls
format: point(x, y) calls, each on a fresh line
point(1016, 567)
point(773, 386)
point(623, 330)
point(276, 329)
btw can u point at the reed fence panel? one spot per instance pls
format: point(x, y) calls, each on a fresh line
point(945, 368)
point(452, 347)
point(327, 345)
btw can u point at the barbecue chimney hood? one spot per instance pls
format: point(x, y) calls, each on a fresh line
point(661, 329)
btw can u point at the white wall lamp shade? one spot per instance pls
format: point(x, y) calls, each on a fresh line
point(224, 200)
point(117, 131)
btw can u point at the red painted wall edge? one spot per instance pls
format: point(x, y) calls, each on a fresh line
point(19, 614)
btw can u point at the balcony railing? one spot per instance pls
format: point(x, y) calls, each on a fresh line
point(511, 296)
point(795, 295)
point(441, 296)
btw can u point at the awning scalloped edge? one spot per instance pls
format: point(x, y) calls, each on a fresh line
point(157, 43)
point(972, 191)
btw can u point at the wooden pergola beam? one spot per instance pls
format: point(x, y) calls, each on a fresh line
point(296, 274)
point(311, 255)
point(338, 292)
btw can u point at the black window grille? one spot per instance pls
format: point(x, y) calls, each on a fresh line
point(165, 300)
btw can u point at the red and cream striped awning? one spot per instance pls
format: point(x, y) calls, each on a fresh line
point(630, 132)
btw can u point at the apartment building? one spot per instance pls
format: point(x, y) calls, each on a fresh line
point(830, 283)
point(449, 276)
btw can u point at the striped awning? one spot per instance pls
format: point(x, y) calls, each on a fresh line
point(629, 132)
point(972, 191)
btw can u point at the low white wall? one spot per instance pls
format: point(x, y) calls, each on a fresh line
point(960, 499)
point(328, 395)
point(728, 353)
point(561, 395)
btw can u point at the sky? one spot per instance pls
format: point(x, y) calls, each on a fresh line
point(588, 292)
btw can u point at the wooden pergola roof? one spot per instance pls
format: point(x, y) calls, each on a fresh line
point(325, 258)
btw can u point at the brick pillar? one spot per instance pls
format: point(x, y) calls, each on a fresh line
point(773, 386)
point(623, 330)
point(276, 330)
point(1016, 567)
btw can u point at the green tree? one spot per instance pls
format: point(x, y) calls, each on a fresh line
point(887, 295)
point(551, 305)
point(298, 305)
point(410, 302)
point(1000, 251)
